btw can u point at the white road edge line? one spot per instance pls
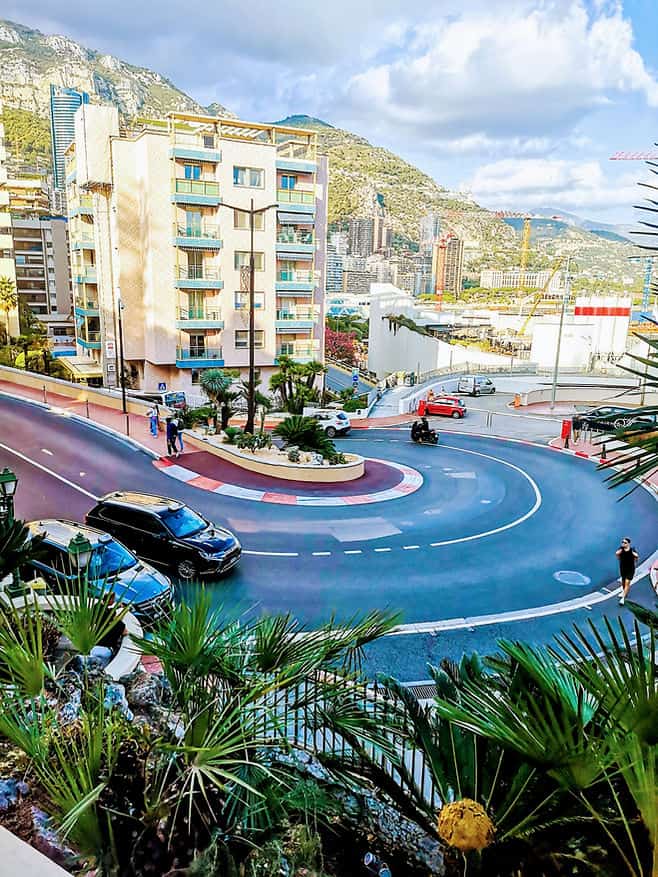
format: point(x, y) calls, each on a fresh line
point(271, 553)
point(50, 472)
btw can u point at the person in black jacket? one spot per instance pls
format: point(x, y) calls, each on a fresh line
point(627, 557)
point(172, 432)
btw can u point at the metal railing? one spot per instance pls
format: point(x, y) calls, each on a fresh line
point(197, 187)
point(91, 337)
point(197, 272)
point(197, 231)
point(294, 348)
point(295, 276)
point(295, 196)
point(86, 304)
point(207, 314)
point(198, 352)
point(298, 314)
point(85, 275)
point(295, 237)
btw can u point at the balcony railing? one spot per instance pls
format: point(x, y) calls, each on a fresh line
point(295, 348)
point(85, 201)
point(197, 187)
point(199, 352)
point(295, 237)
point(197, 272)
point(205, 314)
point(91, 337)
point(295, 196)
point(85, 275)
point(298, 314)
point(295, 276)
point(86, 304)
point(195, 141)
point(197, 231)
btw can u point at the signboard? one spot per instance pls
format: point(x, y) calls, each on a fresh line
point(161, 387)
point(110, 349)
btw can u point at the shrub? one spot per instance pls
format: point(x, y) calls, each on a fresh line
point(306, 434)
point(248, 442)
point(355, 404)
point(192, 416)
point(232, 433)
point(337, 460)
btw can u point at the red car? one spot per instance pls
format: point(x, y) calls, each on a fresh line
point(446, 406)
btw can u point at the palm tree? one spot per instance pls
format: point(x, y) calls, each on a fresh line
point(584, 714)
point(217, 386)
point(294, 382)
point(8, 300)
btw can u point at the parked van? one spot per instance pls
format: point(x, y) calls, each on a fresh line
point(475, 385)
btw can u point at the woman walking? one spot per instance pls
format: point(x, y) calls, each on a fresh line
point(627, 557)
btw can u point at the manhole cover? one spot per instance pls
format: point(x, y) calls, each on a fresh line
point(571, 577)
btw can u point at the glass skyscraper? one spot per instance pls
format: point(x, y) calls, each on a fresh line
point(63, 104)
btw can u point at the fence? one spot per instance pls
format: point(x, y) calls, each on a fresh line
point(300, 714)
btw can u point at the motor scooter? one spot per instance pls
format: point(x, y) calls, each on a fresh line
point(424, 436)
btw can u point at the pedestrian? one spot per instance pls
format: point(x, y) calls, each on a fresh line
point(179, 429)
point(627, 557)
point(172, 432)
point(152, 415)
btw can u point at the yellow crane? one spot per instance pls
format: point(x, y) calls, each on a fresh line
point(525, 251)
point(540, 294)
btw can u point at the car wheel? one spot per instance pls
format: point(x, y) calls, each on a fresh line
point(331, 431)
point(621, 422)
point(455, 414)
point(186, 569)
point(476, 393)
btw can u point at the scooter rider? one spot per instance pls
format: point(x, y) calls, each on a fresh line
point(420, 430)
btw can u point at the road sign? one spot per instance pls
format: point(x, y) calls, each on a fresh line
point(161, 387)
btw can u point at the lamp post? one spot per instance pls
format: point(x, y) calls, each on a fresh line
point(8, 485)
point(565, 301)
point(79, 549)
point(251, 384)
point(122, 375)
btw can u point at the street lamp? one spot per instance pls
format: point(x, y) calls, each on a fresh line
point(251, 385)
point(8, 485)
point(122, 375)
point(79, 549)
point(565, 302)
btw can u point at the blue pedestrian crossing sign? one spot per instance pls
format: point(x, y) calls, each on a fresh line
point(355, 378)
point(162, 387)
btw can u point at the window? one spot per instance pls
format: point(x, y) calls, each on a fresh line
point(241, 260)
point(252, 177)
point(209, 141)
point(192, 171)
point(288, 181)
point(196, 376)
point(241, 220)
point(241, 300)
point(7, 254)
point(242, 339)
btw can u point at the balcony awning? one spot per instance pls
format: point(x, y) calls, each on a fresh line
point(296, 218)
point(294, 257)
point(81, 368)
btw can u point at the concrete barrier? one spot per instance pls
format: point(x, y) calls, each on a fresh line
point(589, 394)
point(350, 471)
point(75, 392)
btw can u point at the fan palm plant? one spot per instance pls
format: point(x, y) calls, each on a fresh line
point(17, 547)
point(217, 387)
point(306, 434)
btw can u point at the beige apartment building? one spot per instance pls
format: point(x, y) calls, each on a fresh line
point(7, 270)
point(154, 230)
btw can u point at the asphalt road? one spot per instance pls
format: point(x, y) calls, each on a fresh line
point(492, 523)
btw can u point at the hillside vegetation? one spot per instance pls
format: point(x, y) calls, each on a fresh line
point(27, 135)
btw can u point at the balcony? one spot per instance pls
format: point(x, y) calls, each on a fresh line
point(90, 341)
point(299, 165)
point(296, 200)
point(198, 277)
point(199, 357)
point(204, 192)
point(83, 207)
point(297, 320)
point(200, 237)
point(84, 241)
point(300, 351)
point(189, 319)
point(202, 147)
point(295, 242)
point(294, 281)
point(86, 308)
point(85, 275)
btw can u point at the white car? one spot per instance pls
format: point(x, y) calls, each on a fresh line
point(333, 422)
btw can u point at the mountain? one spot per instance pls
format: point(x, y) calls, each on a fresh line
point(31, 61)
point(359, 171)
point(603, 229)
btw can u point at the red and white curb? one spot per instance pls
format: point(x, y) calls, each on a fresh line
point(411, 482)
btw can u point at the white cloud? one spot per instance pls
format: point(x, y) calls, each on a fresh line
point(525, 70)
point(540, 182)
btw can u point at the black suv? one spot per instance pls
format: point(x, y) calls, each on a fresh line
point(167, 533)
point(607, 418)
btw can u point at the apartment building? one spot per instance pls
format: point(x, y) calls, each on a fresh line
point(447, 264)
point(158, 227)
point(63, 105)
point(7, 270)
point(492, 278)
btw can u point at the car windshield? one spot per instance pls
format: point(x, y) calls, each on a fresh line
point(110, 559)
point(184, 522)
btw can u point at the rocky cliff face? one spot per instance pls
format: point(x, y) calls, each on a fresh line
point(30, 61)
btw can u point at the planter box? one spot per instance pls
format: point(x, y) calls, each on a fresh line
point(283, 468)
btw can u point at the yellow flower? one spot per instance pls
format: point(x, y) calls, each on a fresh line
point(465, 825)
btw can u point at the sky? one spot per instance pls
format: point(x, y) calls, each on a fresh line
point(518, 102)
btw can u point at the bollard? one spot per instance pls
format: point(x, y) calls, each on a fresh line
point(87, 407)
point(127, 424)
point(45, 395)
point(603, 453)
point(517, 400)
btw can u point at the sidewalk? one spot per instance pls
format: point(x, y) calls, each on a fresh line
point(593, 451)
point(135, 426)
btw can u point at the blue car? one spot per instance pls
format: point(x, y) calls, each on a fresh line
point(110, 566)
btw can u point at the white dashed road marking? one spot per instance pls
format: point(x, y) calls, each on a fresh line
point(46, 451)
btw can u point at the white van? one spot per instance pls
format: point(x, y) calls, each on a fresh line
point(475, 385)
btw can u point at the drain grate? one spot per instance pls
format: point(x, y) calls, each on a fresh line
point(422, 690)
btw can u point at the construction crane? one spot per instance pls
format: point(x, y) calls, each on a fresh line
point(540, 294)
point(634, 156)
point(525, 241)
point(648, 271)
